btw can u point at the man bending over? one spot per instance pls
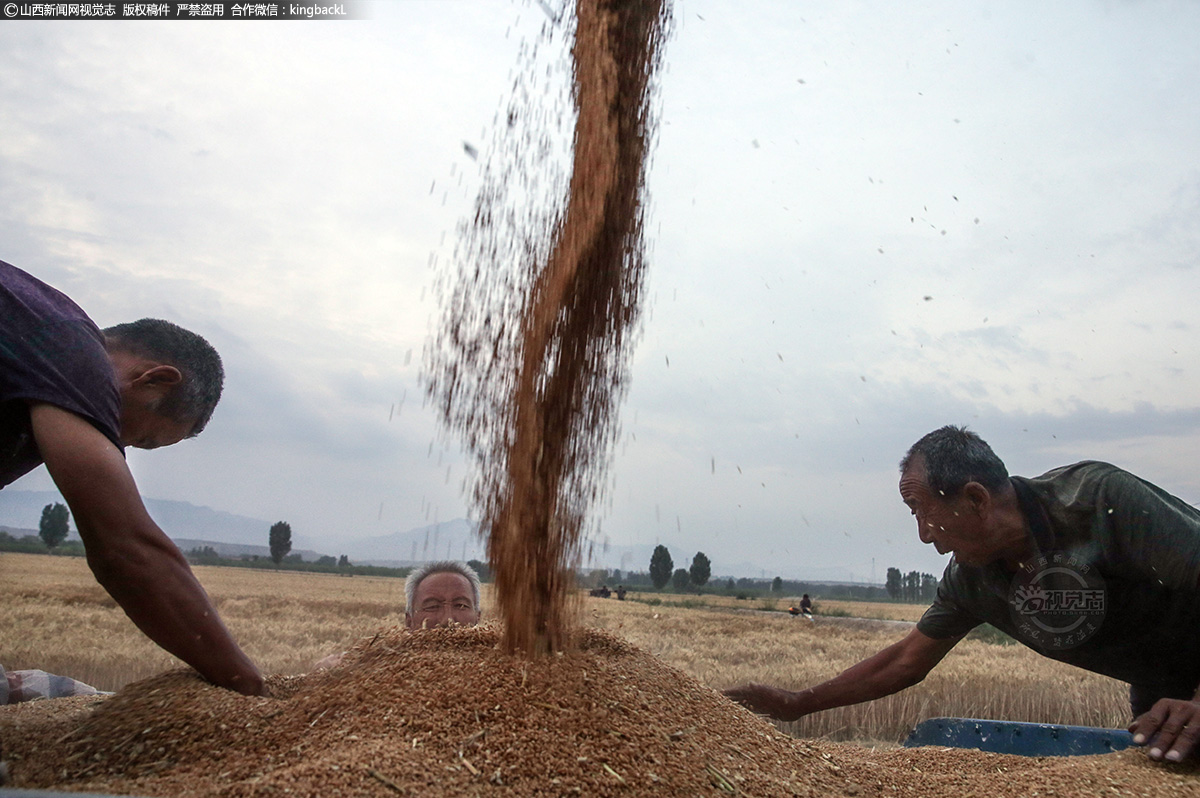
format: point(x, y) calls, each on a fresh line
point(1086, 564)
point(74, 397)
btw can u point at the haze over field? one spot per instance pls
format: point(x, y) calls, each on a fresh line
point(866, 221)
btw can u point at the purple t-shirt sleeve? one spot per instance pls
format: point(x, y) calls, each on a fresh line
point(64, 363)
point(50, 351)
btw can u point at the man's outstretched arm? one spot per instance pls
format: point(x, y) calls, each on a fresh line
point(898, 666)
point(131, 557)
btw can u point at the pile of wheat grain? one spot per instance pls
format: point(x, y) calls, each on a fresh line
point(447, 712)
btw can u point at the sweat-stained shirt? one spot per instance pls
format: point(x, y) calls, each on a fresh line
point(50, 351)
point(1140, 541)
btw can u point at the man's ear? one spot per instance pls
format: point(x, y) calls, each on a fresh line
point(160, 375)
point(978, 497)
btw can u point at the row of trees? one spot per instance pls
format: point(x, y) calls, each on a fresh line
point(913, 586)
point(279, 540)
point(55, 526)
point(662, 570)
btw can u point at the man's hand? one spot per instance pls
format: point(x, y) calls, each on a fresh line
point(131, 557)
point(898, 666)
point(766, 700)
point(1171, 728)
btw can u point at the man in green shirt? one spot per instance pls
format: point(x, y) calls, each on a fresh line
point(1087, 564)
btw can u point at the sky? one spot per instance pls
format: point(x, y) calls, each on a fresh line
point(864, 220)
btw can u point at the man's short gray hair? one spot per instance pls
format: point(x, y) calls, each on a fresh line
point(954, 456)
point(414, 579)
point(203, 375)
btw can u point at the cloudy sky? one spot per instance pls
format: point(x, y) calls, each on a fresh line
point(866, 220)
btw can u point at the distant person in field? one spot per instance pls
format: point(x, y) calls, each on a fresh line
point(1087, 564)
point(806, 607)
point(443, 593)
point(74, 396)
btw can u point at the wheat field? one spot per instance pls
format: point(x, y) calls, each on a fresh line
point(58, 619)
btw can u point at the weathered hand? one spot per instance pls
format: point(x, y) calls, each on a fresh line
point(1171, 728)
point(765, 700)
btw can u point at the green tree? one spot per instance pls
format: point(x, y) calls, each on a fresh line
point(680, 579)
point(205, 555)
point(912, 586)
point(701, 569)
point(895, 583)
point(777, 584)
point(661, 566)
point(929, 585)
point(54, 527)
point(280, 540)
point(481, 568)
point(343, 561)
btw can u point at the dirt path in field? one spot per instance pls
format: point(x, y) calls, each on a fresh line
point(828, 620)
point(861, 623)
point(819, 620)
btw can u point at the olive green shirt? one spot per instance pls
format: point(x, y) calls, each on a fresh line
point(1140, 541)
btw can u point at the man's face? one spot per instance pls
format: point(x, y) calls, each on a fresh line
point(143, 428)
point(441, 599)
point(144, 386)
point(951, 525)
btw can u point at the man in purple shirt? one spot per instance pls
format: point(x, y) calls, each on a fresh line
point(72, 397)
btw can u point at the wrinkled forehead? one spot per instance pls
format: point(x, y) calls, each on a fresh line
point(915, 483)
point(914, 477)
point(444, 586)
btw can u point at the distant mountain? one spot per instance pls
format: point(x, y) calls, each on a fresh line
point(627, 558)
point(235, 550)
point(23, 508)
point(458, 539)
point(449, 540)
point(194, 526)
